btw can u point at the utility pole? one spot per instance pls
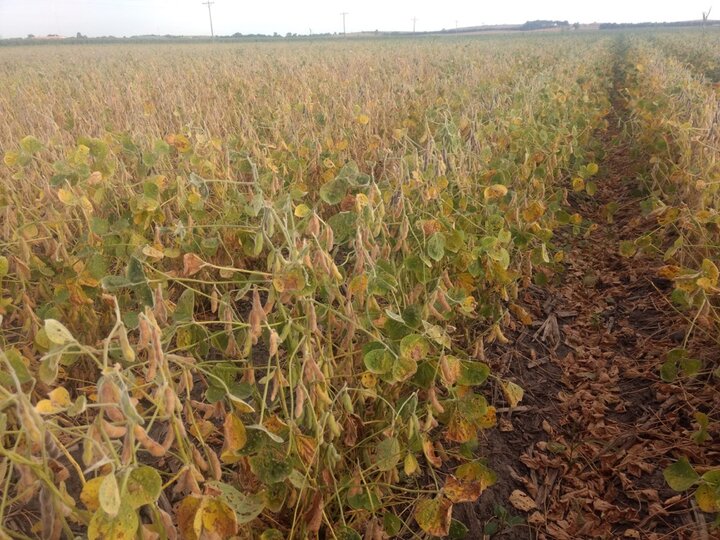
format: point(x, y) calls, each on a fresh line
point(343, 16)
point(208, 4)
point(456, 25)
point(706, 16)
point(414, 20)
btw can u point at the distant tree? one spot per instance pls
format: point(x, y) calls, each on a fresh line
point(80, 36)
point(576, 25)
point(237, 35)
point(31, 36)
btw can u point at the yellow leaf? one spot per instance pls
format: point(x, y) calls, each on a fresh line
point(362, 119)
point(705, 284)
point(534, 211)
point(707, 498)
point(513, 393)
point(90, 493)
point(460, 429)
point(186, 512)
point(489, 419)
point(710, 271)
point(302, 210)
point(469, 482)
point(218, 520)
point(60, 397)
point(433, 515)
point(11, 158)
point(578, 184)
point(368, 380)
point(45, 406)
point(152, 252)
point(57, 333)
point(66, 196)
point(495, 191)
point(410, 465)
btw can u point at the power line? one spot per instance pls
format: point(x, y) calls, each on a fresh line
point(208, 4)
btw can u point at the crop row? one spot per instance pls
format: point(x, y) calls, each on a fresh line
point(274, 308)
point(674, 119)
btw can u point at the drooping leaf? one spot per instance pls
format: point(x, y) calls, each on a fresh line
point(246, 507)
point(387, 454)
point(185, 307)
point(109, 495)
point(513, 393)
point(235, 438)
point(436, 246)
point(57, 333)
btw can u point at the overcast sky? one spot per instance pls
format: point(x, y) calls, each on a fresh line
point(189, 17)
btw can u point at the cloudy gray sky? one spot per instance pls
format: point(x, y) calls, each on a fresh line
point(132, 17)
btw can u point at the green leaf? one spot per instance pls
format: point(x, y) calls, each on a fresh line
point(143, 487)
point(272, 534)
point(18, 366)
point(347, 533)
point(690, 366)
point(592, 169)
point(378, 361)
point(343, 226)
point(30, 144)
point(458, 530)
point(387, 454)
point(334, 191)
point(680, 475)
point(269, 468)
point(114, 283)
point(363, 499)
point(668, 371)
point(627, 248)
point(246, 507)
point(436, 246)
point(392, 524)
point(135, 272)
point(185, 307)
point(473, 373)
